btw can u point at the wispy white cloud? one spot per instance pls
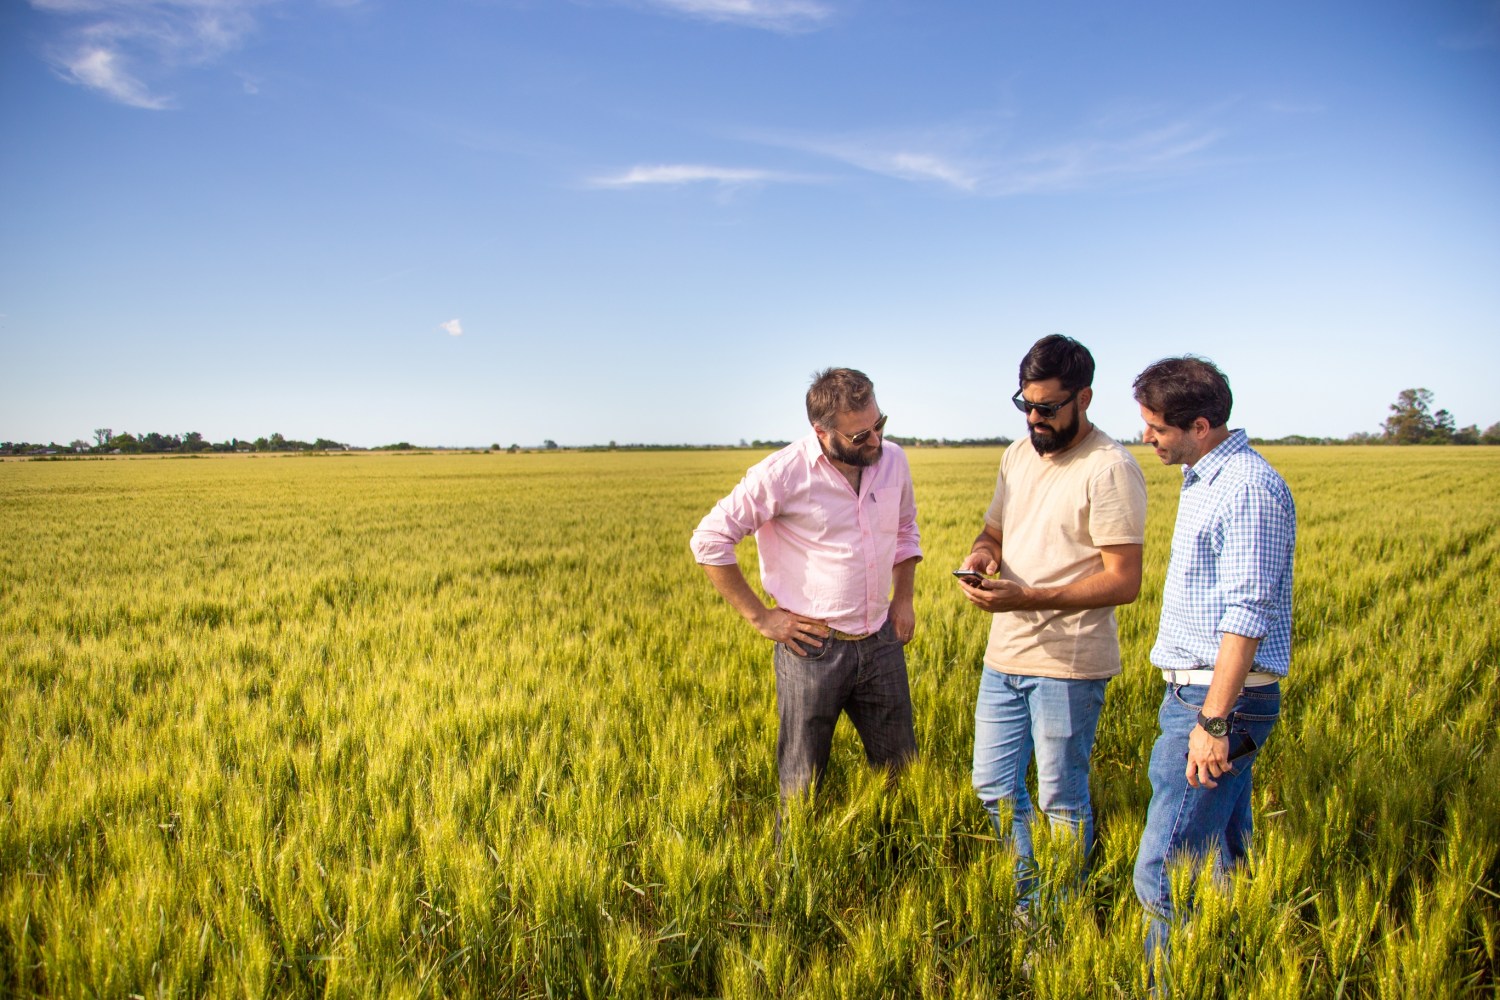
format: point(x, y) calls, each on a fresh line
point(907, 159)
point(1090, 161)
point(774, 15)
point(102, 69)
point(125, 49)
point(679, 174)
point(980, 157)
point(452, 328)
point(988, 160)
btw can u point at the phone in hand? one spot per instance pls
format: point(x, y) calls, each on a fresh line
point(970, 576)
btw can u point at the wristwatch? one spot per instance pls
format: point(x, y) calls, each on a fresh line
point(1218, 728)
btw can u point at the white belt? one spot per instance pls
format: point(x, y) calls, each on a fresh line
point(1204, 678)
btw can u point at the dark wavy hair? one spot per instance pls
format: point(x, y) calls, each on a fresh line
point(1059, 357)
point(1184, 389)
point(837, 390)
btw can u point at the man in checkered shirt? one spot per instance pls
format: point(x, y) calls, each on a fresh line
point(1224, 642)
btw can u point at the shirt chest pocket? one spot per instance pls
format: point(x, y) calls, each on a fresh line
point(885, 508)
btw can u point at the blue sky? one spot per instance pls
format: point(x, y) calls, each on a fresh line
point(496, 221)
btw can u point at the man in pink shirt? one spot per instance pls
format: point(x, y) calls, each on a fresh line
point(835, 523)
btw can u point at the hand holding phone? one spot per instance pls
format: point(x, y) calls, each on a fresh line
point(970, 576)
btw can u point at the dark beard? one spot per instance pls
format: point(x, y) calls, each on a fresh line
point(857, 457)
point(1047, 443)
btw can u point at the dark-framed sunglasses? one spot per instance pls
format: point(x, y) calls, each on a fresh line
point(858, 439)
point(1048, 410)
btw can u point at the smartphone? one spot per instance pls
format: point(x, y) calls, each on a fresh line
point(970, 576)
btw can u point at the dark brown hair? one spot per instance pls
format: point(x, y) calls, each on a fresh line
point(837, 390)
point(1184, 389)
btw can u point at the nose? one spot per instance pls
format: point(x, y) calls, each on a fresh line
point(1034, 417)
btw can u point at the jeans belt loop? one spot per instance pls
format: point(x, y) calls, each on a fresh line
point(1203, 677)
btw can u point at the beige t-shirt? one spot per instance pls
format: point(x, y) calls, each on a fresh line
point(1053, 512)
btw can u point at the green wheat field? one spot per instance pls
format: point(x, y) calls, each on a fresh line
point(475, 725)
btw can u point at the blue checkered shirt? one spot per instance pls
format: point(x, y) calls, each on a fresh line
point(1231, 568)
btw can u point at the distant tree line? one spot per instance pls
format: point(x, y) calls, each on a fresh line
point(1412, 420)
point(107, 442)
point(915, 442)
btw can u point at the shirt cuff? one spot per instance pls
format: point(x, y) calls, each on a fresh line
point(712, 552)
point(1247, 622)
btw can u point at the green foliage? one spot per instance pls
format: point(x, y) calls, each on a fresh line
point(440, 726)
point(1413, 422)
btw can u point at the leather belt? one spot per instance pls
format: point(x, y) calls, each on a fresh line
point(1203, 678)
point(835, 633)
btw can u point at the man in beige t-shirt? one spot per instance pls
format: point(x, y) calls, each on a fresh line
point(1064, 533)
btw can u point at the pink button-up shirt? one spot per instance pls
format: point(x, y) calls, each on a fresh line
point(825, 552)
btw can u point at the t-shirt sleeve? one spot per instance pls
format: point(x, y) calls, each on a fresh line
point(1117, 504)
point(995, 515)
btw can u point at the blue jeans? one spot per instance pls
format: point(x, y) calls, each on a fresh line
point(1015, 716)
point(1196, 823)
point(865, 679)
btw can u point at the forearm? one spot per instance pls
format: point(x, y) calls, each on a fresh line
point(1233, 664)
point(735, 589)
point(903, 580)
point(1104, 589)
point(1117, 582)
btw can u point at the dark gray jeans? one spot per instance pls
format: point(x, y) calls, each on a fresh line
point(867, 680)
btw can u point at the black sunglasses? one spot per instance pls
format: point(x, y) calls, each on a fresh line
point(862, 436)
point(1048, 410)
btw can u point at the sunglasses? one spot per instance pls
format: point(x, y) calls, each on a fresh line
point(862, 436)
point(1048, 410)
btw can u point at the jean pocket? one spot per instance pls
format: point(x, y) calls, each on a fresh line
point(812, 654)
point(1259, 704)
point(1177, 695)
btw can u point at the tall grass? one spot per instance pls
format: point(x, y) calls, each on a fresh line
point(475, 725)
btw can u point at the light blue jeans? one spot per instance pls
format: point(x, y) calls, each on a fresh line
point(1184, 822)
point(1015, 717)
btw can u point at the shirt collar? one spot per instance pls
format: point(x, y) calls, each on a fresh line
point(812, 450)
point(1210, 465)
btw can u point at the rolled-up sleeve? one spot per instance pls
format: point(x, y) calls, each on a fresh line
point(908, 537)
point(1259, 533)
point(745, 509)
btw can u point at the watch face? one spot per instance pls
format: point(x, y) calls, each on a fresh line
point(1217, 728)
